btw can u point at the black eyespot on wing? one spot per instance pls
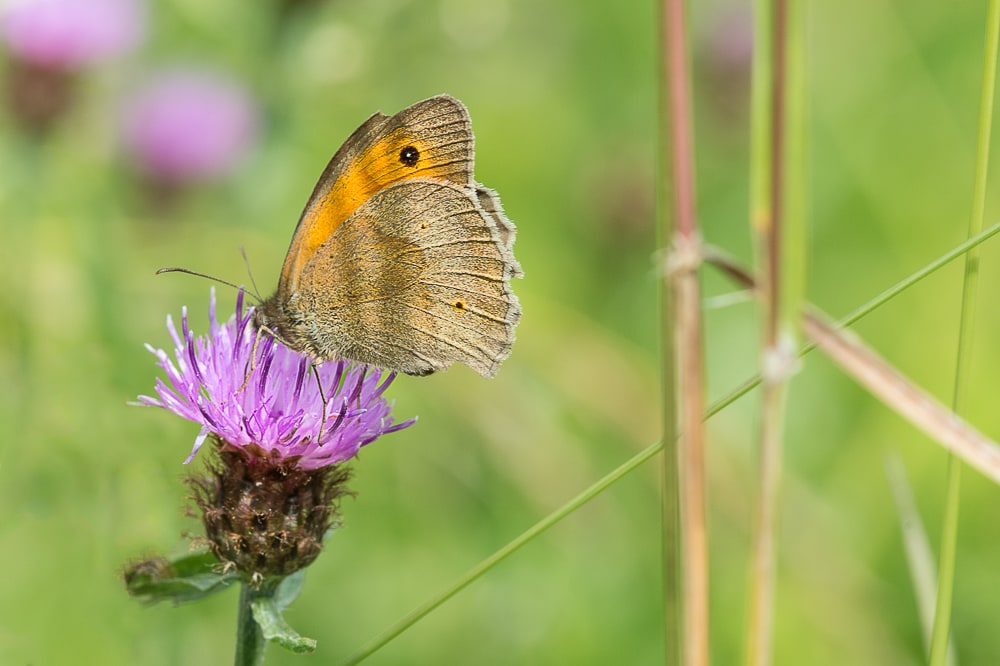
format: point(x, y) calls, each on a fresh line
point(409, 156)
point(459, 305)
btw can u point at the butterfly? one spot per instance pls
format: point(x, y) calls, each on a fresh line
point(400, 258)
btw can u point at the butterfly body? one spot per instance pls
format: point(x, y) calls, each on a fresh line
point(400, 258)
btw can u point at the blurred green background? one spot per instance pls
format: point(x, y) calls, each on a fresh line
point(562, 96)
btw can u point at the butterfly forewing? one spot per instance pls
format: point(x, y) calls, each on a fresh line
point(431, 139)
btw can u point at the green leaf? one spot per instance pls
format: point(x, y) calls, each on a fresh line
point(274, 628)
point(288, 590)
point(188, 577)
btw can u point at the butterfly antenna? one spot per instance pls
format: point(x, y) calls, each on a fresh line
point(246, 261)
point(175, 269)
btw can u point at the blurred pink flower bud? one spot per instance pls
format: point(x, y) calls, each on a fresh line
point(51, 41)
point(727, 57)
point(70, 34)
point(189, 125)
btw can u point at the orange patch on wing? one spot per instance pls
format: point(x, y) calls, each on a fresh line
point(364, 176)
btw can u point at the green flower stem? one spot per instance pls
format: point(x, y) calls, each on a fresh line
point(250, 641)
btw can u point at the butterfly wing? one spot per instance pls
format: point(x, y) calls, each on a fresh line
point(416, 279)
point(490, 201)
point(430, 139)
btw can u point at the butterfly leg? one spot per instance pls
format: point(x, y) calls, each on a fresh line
point(322, 397)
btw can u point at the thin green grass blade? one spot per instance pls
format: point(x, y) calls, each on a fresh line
point(917, 546)
point(780, 267)
point(862, 310)
point(494, 559)
point(949, 531)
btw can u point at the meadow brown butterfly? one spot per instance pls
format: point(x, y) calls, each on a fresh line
point(400, 258)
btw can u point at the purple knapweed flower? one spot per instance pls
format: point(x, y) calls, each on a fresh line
point(71, 34)
point(272, 487)
point(189, 125)
point(270, 408)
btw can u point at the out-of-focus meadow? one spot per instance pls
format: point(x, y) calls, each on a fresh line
point(562, 96)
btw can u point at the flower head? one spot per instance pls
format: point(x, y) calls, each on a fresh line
point(272, 489)
point(189, 125)
point(270, 407)
point(70, 34)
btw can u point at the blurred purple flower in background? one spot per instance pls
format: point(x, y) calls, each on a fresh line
point(189, 125)
point(727, 55)
point(51, 41)
point(71, 34)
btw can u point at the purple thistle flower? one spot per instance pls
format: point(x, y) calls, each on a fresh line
point(278, 415)
point(70, 34)
point(189, 125)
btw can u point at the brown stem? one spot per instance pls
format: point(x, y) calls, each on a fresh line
point(687, 467)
